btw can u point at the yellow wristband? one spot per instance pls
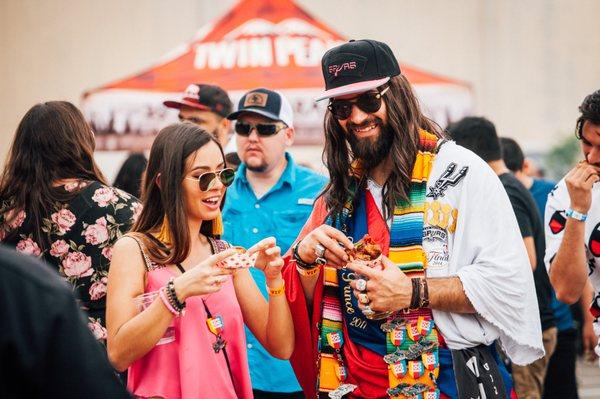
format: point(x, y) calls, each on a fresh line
point(307, 272)
point(276, 291)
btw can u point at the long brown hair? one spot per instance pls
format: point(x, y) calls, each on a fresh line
point(404, 120)
point(162, 196)
point(52, 142)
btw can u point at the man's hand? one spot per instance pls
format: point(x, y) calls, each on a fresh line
point(579, 183)
point(388, 289)
point(334, 242)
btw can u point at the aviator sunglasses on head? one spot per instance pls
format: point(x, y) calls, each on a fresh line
point(207, 180)
point(368, 102)
point(262, 129)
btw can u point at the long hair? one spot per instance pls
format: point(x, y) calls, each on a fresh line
point(52, 142)
point(129, 178)
point(162, 194)
point(404, 119)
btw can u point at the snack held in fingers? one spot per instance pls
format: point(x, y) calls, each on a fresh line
point(240, 260)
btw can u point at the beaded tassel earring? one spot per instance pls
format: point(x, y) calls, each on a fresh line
point(165, 232)
point(217, 226)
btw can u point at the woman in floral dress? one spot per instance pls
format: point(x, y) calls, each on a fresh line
point(55, 204)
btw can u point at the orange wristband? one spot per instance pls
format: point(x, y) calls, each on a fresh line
point(276, 291)
point(307, 272)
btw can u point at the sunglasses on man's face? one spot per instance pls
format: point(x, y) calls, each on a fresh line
point(262, 129)
point(206, 181)
point(368, 102)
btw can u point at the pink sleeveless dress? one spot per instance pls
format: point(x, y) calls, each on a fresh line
point(188, 367)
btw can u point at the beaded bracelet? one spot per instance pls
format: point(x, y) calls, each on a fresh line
point(172, 296)
point(307, 272)
point(276, 291)
point(299, 261)
point(163, 296)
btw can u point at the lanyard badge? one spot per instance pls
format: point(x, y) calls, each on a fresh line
point(424, 326)
point(399, 369)
point(413, 332)
point(335, 340)
point(415, 369)
point(397, 336)
point(431, 360)
point(216, 326)
point(432, 394)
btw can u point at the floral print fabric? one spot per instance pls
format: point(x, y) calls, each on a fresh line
point(81, 234)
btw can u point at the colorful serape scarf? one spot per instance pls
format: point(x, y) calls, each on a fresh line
point(412, 341)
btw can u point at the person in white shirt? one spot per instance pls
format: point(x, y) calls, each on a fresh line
point(454, 275)
point(572, 218)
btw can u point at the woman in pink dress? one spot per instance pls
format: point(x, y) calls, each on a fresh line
point(176, 311)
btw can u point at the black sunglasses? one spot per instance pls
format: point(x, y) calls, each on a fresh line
point(368, 102)
point(206, 181)
point(262, 129)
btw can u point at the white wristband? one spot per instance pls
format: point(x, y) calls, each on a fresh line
point(570, 213)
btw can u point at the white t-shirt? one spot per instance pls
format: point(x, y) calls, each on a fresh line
point(555, 221)
point(470, 231)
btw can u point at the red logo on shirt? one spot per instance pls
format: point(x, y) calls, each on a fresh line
point(557, 222)
point(594, 243)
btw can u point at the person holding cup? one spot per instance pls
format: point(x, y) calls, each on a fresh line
point(188, 340)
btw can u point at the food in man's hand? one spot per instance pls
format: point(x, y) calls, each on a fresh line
point(239, 260)
point(365, 250)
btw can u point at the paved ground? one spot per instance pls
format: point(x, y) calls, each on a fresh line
point(588, 377)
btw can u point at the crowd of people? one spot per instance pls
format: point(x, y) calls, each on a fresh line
point(236, 275)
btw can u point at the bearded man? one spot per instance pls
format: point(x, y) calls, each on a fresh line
point(454, 276)
point(572, 219)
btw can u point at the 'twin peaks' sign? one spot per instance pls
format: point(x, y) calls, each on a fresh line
point(291, 42)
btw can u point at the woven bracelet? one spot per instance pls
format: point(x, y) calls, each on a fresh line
point(415, 298)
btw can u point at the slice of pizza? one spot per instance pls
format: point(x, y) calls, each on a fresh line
point(239, 260)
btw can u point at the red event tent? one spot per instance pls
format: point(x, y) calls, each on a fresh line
point(271, 43)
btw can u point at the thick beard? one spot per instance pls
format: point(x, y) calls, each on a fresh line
point(372, 153)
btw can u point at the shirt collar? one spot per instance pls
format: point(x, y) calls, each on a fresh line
point(287, 177)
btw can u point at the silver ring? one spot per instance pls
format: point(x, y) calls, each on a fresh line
point(367, 311)
point(361, 284)
point(320, 251)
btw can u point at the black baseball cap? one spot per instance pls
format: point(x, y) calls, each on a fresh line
point(357, 66)
point(204, 97)
point(265, 102)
